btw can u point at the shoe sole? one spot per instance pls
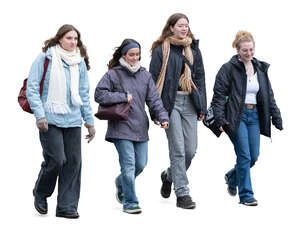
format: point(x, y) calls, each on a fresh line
point(135, 211)
point(188, 207)
point(67, 216)
point(250, 204)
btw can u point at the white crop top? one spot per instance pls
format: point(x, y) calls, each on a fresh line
point(252, 89)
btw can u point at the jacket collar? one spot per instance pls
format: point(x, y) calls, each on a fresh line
point(262, 66)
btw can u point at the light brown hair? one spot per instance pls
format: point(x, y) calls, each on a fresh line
point(166, 32)
point(242, 36)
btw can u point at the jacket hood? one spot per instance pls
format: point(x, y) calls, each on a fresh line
point(263, 66)
point(195, 43)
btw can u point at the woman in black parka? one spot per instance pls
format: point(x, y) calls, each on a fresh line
point(244, 106)
point(178, 72)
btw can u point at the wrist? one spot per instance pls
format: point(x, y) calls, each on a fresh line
point(88, 125)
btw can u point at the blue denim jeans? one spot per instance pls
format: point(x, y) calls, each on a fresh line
point(246, 145)
point(133, 158)
point(182, 140)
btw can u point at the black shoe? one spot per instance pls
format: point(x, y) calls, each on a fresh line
point(185, 202)
point(40, 204)
point(165, 190)
point(67, 215)
point(231, 190)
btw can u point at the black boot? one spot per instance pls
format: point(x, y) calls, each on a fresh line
point(185, 202)
point(40, 204)
point(165, 190)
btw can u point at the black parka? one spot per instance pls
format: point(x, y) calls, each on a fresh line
point(173, 72)
point(231, 81)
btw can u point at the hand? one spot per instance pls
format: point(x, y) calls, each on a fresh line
point(201, 117)
point(129, 97)
point(164, 125)
point(277, 123)
point(42, 124)
point(221, 127)
point(92, 132)
point(279, 127)
point(156, 122)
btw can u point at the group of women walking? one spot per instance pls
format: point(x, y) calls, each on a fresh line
point(174, 90)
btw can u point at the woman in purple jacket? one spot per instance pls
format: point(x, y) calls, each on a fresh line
point(130, 137)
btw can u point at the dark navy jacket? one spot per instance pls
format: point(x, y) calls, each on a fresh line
point(231, 81)
point(173, 72)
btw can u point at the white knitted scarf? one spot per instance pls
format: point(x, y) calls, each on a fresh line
point(132, 69)
point(57, 92)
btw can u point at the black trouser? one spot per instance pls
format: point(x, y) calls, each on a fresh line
point(62, 160)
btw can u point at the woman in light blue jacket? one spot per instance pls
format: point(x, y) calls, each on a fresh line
point(59, 111)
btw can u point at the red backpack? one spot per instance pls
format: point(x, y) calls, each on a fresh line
point(22, 99)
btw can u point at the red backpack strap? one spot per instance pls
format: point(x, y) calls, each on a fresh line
point(44, 74)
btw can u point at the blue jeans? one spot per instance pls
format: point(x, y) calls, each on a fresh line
point(246, 145)
point(133, 158)
point(182, 140)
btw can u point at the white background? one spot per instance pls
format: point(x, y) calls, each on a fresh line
point(25, 25)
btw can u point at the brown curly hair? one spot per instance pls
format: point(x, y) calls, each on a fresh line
point(242, 36)
point(60, 33)
point(166, 32)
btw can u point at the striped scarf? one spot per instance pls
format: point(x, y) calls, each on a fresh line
point(185, 82)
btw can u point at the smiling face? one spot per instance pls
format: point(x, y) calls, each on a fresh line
point(69, 41)
point(180, 29)
point(132, 56)
point(246, 51)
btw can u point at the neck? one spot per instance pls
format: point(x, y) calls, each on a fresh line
point(245, 62)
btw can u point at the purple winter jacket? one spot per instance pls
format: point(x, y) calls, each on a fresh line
point(143, 90)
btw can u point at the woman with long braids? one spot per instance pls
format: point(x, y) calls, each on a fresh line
point(59, 111)
point(178, 72)
point(130, 137)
